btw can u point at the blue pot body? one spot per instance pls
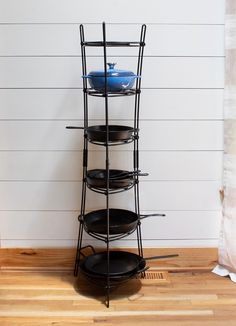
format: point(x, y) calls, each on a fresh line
point(117, 80)
point(114, 84)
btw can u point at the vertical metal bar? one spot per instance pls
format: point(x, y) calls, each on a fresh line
point(79, 245)
point(107, 161)
point(84, 71)
point(85, 152)
point(136, 134)
point(137, 95)
point(82, 212)
point(139, 70)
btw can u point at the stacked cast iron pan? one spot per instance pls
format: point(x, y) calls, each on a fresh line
point(123, 266)
point(121, 221)
point(117, 178)
point(117, 133)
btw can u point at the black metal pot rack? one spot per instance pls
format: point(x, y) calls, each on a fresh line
point(108, 280)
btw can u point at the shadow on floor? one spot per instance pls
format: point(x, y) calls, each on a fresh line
point(98, 292)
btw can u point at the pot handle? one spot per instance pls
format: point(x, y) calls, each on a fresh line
point(148, 215)
point(86, 76)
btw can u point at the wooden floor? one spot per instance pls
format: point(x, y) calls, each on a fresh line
point(57, 298)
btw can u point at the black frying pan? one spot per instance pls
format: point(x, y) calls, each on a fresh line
point(116, 133)
point(120, 263)
point(115, 280)
point(117, 178)
point(120, 221)
point(97, 178)
point(141, 268)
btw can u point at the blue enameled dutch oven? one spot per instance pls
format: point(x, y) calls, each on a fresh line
point(117, 80)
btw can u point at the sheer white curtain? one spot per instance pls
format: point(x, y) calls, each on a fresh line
point(227, 245)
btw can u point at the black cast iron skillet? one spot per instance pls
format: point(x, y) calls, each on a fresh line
point(120, 221)
point(117, 178)
point(121, 263)
point(116, 133)
point(114, 280)
point(97, 178)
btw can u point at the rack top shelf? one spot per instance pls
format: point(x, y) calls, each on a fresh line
point(113, 44)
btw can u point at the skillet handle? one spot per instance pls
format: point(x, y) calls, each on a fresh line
point(160, 257)
point(148, 215)
point(142, 174)
point(73, 127)
point(89, 246)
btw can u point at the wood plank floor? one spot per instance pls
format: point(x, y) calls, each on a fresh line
point(57, 298)
point(63, 258)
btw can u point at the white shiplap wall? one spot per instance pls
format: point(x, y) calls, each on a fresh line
point(181, 117)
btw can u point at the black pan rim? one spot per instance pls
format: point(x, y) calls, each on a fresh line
point(102, 128)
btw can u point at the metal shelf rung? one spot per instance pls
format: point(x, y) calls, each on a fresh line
point(113, 44)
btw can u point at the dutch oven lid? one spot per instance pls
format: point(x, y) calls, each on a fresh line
point(111, 72)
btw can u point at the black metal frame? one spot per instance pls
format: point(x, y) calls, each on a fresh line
point(135, 139)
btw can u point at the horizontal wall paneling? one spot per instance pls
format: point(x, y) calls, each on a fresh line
point(156, 104)
point(154, 135)
point(66, 165)
point(159, 195)
point(64, 40)
point(181, 129)
point(73, 11)
point(158, 72)
point(63, 225)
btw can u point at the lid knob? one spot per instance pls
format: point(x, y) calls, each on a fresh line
point(111, 65)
